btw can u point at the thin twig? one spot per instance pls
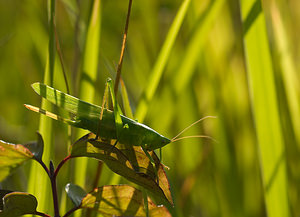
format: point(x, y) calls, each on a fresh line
point(122, 50)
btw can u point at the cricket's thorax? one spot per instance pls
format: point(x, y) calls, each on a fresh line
point(134, 134)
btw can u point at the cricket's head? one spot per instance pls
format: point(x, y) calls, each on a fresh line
point(154, 140)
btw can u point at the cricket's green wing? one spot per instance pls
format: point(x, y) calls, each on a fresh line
point(69, 103)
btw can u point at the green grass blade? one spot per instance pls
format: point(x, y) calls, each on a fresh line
point(39, 184)
point(266, 114)
point(88, 79)
point(289, 74)
point(161, 62)
point(190, 60)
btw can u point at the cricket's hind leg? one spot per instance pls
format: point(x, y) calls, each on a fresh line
point(155, 167)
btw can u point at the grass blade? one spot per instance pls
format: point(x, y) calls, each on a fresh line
point(39, 184)
point(266, 115)
point(190, 60)
point(88, 79)
point(161, 62)
point(288, 68)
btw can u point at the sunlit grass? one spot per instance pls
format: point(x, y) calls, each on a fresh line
point(191, 59)
point(265, 109)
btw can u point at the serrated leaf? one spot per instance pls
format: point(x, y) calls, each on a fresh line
point(129, 162)
point(11, 156)
point(17, 204)
point(121, 200)
point(75, 193)
point(37, 147)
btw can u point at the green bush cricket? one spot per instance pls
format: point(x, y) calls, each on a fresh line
point(87, 117)
point(112, 124)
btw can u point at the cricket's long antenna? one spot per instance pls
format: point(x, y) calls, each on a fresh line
point(185, 129)
point(190, 137)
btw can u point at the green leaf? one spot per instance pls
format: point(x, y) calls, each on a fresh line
point(12, 156)
point(2, 194)
point(17, 204)
point(36, 148)
point(75, 193)
point(121, 200)
point(129, 162)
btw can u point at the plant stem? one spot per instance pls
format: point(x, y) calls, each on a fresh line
point(41, 214)
point(122, 49)
point(44, 166)
point(98, 173)
point(61, 164)
point(54, 190)
point(53, 185)
point(95, 184)
point(55, 198)
point(71, 211)
point(52, 175)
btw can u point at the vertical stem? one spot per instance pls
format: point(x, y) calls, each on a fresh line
point(122, 49)
point(55, 198)
point(145, 197)
point(98, 173)
point(52, 175)
point(89, 212)
point(54, 190)
point(51, 41)
point(51, 71)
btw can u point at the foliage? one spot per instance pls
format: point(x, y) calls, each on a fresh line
point(109, 200)
point(184, 60)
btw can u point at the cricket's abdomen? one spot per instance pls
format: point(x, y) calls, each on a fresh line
point(134, 133)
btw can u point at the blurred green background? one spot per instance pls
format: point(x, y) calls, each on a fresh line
point(210, 71)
